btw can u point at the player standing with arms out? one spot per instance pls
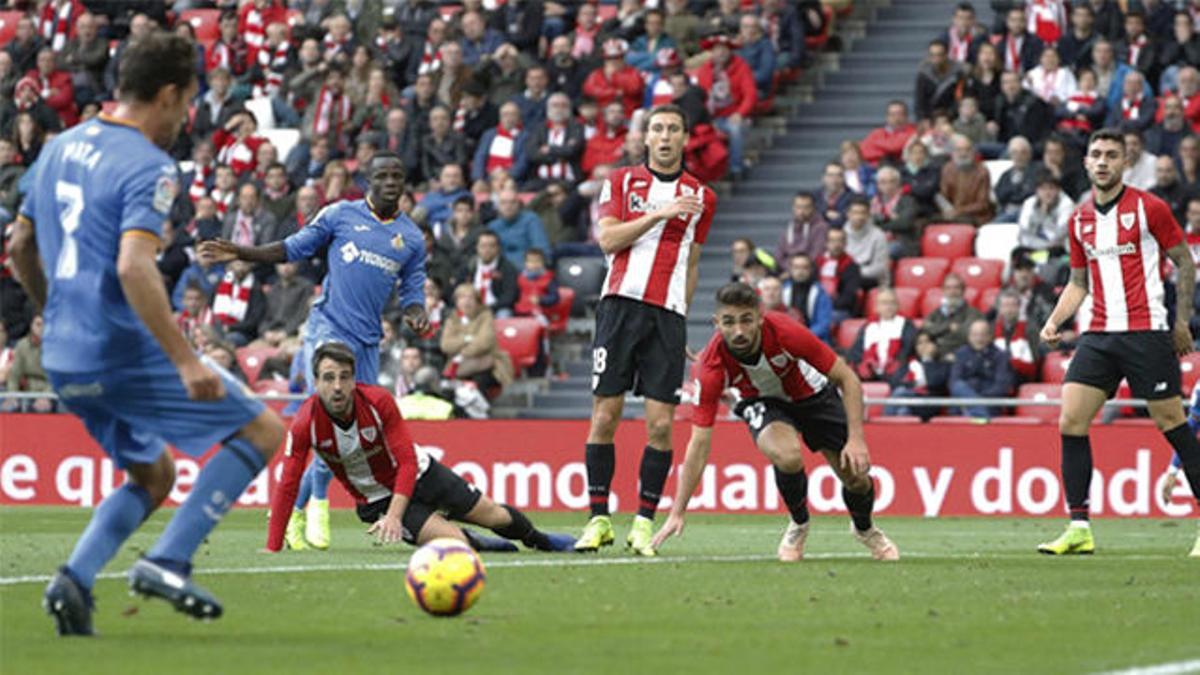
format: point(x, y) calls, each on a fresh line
point(371, 245)
point(116, 359)
point(781, 374)
point(398, 488)
point(1118, 238)
point(653, 220)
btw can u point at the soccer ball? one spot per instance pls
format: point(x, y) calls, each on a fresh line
point(445, 577)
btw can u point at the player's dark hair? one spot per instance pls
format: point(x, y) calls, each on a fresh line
point(737, 294)
point(386, 154)
point(1107, 134)
point(337, 352)
point(668, 109)
point(156, 61)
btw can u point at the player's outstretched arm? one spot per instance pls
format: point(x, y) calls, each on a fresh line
point(143, 287)
point(222, 251)
point(27, 266)
point(283, 501)
point(1068, 303)
point(855, 455)
point(698, 450)
point(1185, 289)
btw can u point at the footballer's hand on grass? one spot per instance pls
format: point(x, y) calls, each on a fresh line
point(217, 251)
point(672, 528)
point(201, 382)
point(387, 530)
point(1049, 335)
point(855, 457)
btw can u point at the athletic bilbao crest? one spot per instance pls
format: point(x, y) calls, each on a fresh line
point(779, 360)
point(1127, 220)
point(369, 434)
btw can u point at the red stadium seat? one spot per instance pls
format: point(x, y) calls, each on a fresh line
point(907, 298)
point(986, 299)
point(847, 332)
point(896, 419)
point(560, 313)
point(979, 272)
point(1189, 367)
point(252, 359)
point(605, 12)
point(920, 273)
point(205, 24)
point(933, 297)
point(829, 286)
point(271, 387)
point(875, 390)
point(1054, 367)
point(521, 337)
point(8, 26)
point(1039, 391)
point(948, 241)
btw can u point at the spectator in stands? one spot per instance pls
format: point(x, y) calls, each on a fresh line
point(538, 287)
point(833, 198)
point(250, 224)
point(1168, 188)
point(1018, 182)
point(555, 146)
point(921, 178)
point(860, 177)
point(277, 197)
point(965, 190)
point(759, 54)
point(438, 201)
point(237, 143)
point(970, 122)
point(1139, 164)
point(1189, 161)
point(239, 304)
point(532, 101)
point(492, 275)
point(222, 353)
point(803, 292)
point(806, 232)
point(885, 345)
point(731, 96)
point(1083, 111)
point(982, 82)
point(1019, 47)
point(653, 38)
point(26, 373)
point(478, 40)
point(1139, 49)
point(770, 290)
point(724, 17)
point(1067, 171)
point(518, 228)
point(964, 36)
point(1163, 139)
point(1135, 109)
point(1183, 49)
point(1043, 217)
point(615, 80)
point(85, 56)
point(24, 46)
point(458, 235)
point(896, 214)
point(502, 147)
point(440, 147)
point(840, 276)
point(742, 251)
point(195, 312)
point(402, 371)
point(1037, 297)
point(1075, 47)
point(887, 143)
point(1111, 74)
point(567, 73)
point(980, 370)
point(287, 305)
point(1191, 226)
point(605, 146)
point(1019, 112)
point(926, 375)
point(11, 171)
point(1015, 337)
point(682, 24)
point(469, 343)
point(866, 243)
point(331, 112)
point(937, 81)
point(1051, 81)
point(27, 103)
point(947, 324)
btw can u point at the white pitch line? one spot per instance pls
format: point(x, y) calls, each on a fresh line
point(581, 561)
point(1173, 668)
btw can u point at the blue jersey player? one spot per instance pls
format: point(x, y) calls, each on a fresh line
point(371, 248)
point(84, 248)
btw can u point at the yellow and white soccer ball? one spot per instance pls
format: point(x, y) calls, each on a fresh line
point(445, 577)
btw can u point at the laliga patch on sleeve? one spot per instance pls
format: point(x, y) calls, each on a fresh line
point(164, 194)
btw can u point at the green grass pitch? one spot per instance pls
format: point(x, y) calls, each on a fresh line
point(969, 596)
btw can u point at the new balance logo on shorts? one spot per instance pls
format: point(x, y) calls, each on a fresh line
point(1160, 387)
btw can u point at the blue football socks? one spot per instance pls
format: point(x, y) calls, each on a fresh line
point(113, 521)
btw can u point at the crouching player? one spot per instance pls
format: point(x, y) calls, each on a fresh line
point(357, 429)
point(781, 374)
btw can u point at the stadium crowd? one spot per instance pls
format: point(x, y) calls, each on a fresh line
point(508, 115)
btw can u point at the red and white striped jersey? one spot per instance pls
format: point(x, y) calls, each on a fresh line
point(654, 269)
point(1124, 249)
point(791, 365)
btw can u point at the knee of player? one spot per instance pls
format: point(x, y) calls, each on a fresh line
point(788, 463)
point(1072, 423)
point(266, 433)
point(604, 426)
point(857, 483)
point(1167, 418)
point(659, 432)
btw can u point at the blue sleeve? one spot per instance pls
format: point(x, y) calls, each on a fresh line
point(537, 235)
point(312, 237)
point(822, 317)
point(180, 287)
point(147, 197)
point(412, 277)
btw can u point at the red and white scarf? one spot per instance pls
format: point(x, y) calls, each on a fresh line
point(1020, 352)
point(883, 208)
point(431, 59)
point(1012, 53)
point(272, 62)
point(223, 201)
point(881, 344)
point(187, 323)
point(1047, 20)
point(255, 30)
point(232, 298)
point(557, 170)
point(199, 187)
point(1076, 104)
point(243, 229)
point(960, 47)
point(333, 111)
point(334, 47)
point(484, 274)
point(1135, 49)
point(56, 25)
point(1131, 109)
point(661, 92)
point(239, 155)
point(460, 119)
point(220, 56)
point(502, 150)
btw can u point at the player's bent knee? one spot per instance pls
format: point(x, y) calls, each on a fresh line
point(265, 432)
point(1167, 414)
point(438, 527)
point(1072, 424)
point(156, 479)
point(489, 514)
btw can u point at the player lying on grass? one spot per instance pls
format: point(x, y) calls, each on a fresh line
point(781, 375)
point(357, 429)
